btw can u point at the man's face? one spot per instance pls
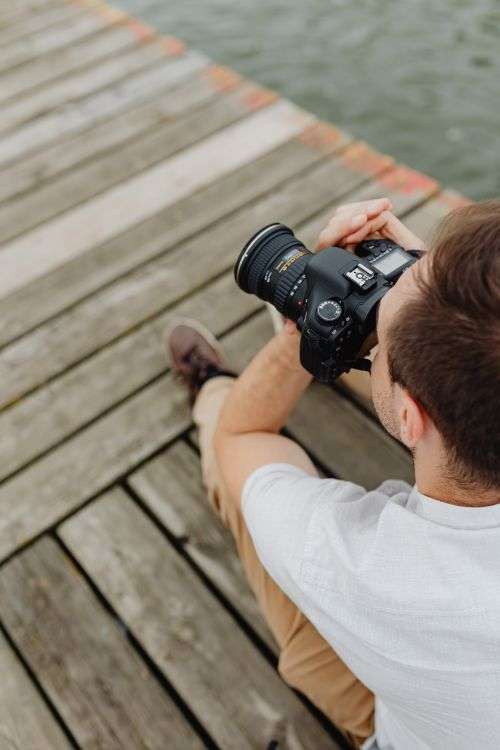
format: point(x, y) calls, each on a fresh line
point(384, 392)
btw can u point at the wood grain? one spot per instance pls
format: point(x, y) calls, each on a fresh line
point(227, 683)
point(33, 46)
point(84, 112)
point(85, 274)
point(136, 118)
point(90, 51)
point(81, 84)
point(50, 414)
point(62, 239)
point(171, 486)
point(38, 21)
point(25, 720)
point(102, 689)
point(155, 145)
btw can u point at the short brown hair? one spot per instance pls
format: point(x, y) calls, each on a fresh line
point(444, 348)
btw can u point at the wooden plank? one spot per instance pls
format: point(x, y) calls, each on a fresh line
point(25, 721)
point(28, 48)
point(62, 239)
point(113, 445)
point(90, 51)
point(84, 182)
point(67, 284)
point(15, 13)
point(38, 21)
point(82, 113)
point(89, 462)
point(81, 84)
point(49, 415)
point(135, 119)
point(100, 686)
point(99, 319)
point(171, 486)
point(424, 220)
point(224, 679)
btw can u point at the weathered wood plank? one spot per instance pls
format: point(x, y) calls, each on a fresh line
point(28, 48)
point(97, 107)
point(224, 679)
point(84, 182)
point(67, 284)
point(62, 239)
point(82, 84)
point(90, 51)
point(102, 689)
point(136, 118)
point(15, 13)
point(25, 721)
point(38, 21)
point(171, 486)
point(424, 220)
point(148, 290)
point(44, 418)
point(92, 460)
point(95, 457)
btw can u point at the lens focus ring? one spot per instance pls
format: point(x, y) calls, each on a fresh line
point(285, 285)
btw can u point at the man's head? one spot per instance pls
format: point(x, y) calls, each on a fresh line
point(436, 375)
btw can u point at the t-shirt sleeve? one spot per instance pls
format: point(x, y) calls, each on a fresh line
point(278, 502)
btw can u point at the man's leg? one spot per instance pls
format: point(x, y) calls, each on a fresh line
point(306, 660)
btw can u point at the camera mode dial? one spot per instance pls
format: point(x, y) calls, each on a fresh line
point(329, 311)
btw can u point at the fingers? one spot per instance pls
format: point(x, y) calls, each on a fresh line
point(349, 218)
point(370, 208)
point(369, 229)
point(395, 230)
point(339, 227)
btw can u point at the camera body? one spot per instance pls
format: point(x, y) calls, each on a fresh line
point(343, 293)
point(332, 295)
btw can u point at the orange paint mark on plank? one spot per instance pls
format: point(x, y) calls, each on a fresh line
point(113, 15)
point(402, 179)
point(141, 30)
point(173, 46)
point(258, 97)
point(221, 78)
point(321, 136)
point(361, 158)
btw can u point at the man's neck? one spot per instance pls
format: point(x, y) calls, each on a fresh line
point(435, 480)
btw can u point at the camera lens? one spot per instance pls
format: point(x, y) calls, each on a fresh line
point(271, 266)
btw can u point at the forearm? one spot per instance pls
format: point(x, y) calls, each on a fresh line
point(262, 398)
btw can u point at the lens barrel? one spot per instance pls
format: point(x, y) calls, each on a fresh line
point(271, 266)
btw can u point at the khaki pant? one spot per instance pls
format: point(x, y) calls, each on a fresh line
point(306, 661)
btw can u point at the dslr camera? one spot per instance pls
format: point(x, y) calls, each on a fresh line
point(332, 295)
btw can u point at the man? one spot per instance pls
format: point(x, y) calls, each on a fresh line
point(385, 604)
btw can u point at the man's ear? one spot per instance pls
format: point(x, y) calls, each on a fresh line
point(412, 419)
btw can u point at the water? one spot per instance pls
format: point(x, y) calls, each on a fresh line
point(418, 79)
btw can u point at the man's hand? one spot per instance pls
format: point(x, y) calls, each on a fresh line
point(354, 222)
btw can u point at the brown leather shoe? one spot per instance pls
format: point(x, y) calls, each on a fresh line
point(195, 354)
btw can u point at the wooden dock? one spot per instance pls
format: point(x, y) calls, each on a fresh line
point(132, 170)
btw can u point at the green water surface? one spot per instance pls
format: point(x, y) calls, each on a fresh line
point(419, 80)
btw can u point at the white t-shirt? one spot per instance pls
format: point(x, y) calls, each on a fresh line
point(405, 588)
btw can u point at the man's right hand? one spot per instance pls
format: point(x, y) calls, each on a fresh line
point(354, 222)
